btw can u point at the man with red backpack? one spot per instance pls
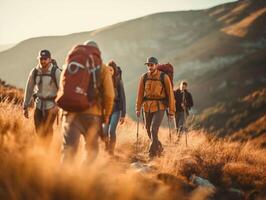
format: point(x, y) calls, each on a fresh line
point(44, 79)
point(86, 94)
point(155, 94)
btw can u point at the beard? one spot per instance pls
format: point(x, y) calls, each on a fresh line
point(152, 70)
point(44, 64)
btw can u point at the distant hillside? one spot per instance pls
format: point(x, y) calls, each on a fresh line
point(5, 47)
point(243, 118)
point(220, 51)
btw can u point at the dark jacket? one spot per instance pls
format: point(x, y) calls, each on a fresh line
point(120, 98)
point(179, 99)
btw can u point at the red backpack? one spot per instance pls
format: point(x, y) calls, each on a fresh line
point(78, 84)
point(168, 69)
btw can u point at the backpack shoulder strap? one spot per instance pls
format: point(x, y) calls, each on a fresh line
point(145, 78)
point(53, 75)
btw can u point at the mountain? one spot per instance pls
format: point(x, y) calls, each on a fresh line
point(220, 51)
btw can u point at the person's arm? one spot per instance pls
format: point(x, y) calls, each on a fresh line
point(140, 95)
point(191, 104)
point(123, 99)
point(170, 94)
point(108, 93)
point(29, 89)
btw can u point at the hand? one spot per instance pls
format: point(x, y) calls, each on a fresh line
point(138, 113)
point(54, 110)
point(171, 116)
point(106, 120)
point(122, 120)
point(26, 112)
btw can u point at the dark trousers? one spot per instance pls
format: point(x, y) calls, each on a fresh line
point(152, 124)
point(180, 118)
point(43, 122)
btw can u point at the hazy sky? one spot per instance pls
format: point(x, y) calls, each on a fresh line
point(23, 19)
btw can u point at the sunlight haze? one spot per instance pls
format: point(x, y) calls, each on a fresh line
point(21, 20)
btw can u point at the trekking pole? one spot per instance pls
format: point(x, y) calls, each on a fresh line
point(168, 121)
point(143, 120)
point(185, 116)
point(57, 117)
point(177, 132)
point(185, 128)
point(137, 142)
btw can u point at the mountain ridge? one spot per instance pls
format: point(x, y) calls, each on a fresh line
point(213, 61)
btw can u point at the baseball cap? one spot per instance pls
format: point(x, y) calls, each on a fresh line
point(151, 60)
point(44, 54)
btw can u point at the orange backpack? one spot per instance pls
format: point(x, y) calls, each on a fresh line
point(154, 88)
point(79, 79)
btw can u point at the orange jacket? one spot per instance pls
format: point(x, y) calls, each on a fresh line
point(155, 90)
point(104, 106)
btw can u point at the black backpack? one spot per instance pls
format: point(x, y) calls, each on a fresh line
point(52, 74)
point(116, 79)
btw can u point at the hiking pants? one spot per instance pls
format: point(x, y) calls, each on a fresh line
point(75, 124)
point(109, 131)
point(43, 122)
point(152, 123)
point(180, 121)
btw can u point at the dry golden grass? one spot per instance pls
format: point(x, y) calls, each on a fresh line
point(10, 93)
point(29, 171)
point(240, 29)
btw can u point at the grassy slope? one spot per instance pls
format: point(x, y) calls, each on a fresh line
point(29, 171)
point(243, 118)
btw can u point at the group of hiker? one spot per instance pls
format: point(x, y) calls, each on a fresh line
point(92, 99)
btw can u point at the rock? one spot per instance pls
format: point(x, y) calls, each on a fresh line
point(141, 167)
point(196, 180)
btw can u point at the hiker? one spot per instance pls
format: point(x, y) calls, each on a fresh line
point(119, 110)
point(86, 95)
point(184, 102)
point(155, 94)
point(44, 79)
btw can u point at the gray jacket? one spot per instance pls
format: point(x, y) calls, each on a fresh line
point(45, 88)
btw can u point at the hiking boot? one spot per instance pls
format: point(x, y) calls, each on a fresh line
point(160, 149)
point(152, 156)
